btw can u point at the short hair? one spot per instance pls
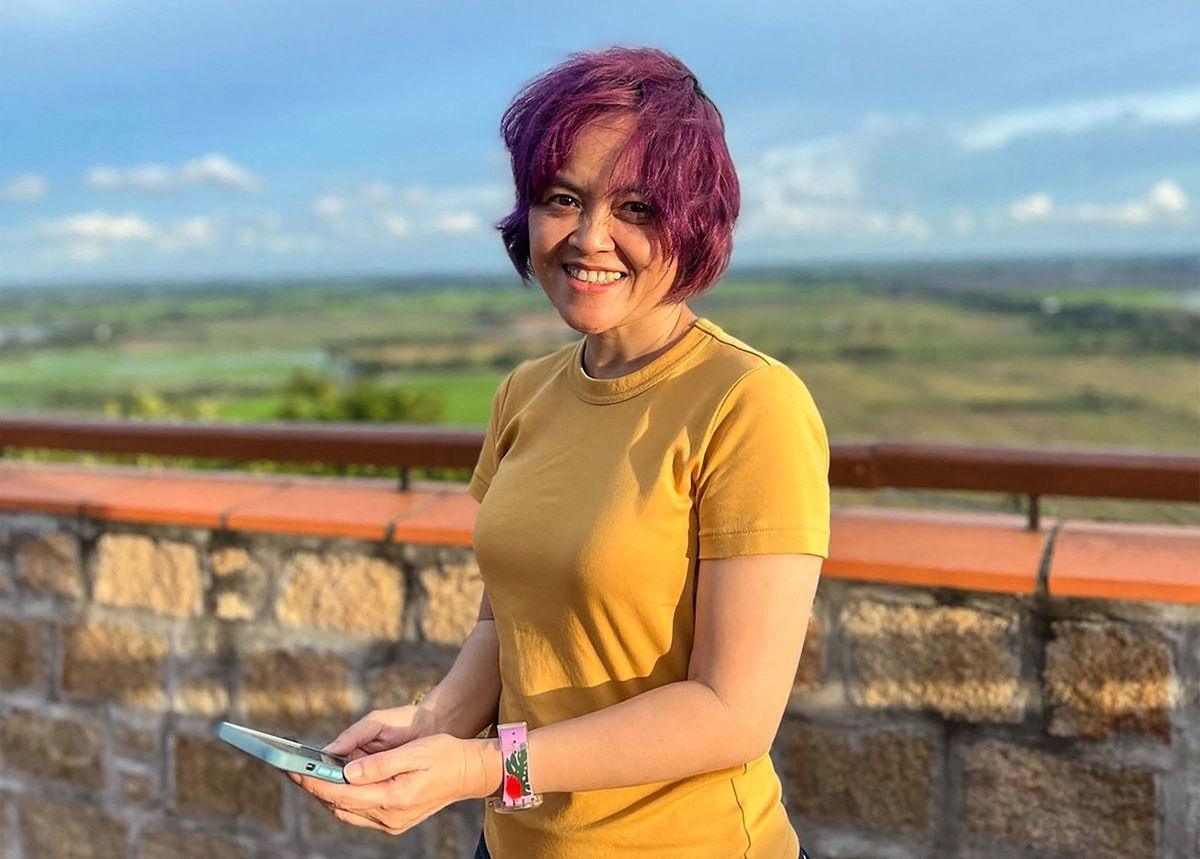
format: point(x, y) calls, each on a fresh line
point(676, 150)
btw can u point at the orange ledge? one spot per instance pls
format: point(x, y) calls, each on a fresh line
point(979, 552)
point(968, 551)
point(1108, 559)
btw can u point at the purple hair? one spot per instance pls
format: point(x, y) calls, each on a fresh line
point(676, 151)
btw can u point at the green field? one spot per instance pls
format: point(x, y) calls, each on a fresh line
point(1109, 366)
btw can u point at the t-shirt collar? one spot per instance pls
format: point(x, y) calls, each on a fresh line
point(603, 391)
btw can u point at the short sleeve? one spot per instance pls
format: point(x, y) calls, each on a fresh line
point(763, 482)
point(485, 468)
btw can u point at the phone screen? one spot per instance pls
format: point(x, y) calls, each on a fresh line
point(307, 751)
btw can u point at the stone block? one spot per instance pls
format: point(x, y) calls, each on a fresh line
point(168, 843)
point(139, 788)
point(116, 662)
point(453, 593)
point(881, 780)
point(214, 779)
point(1024, 798)
point(808, 672)
point(133, 571)
point(240, 583)
point(356, 594)
point(229, 560)
point(1105, 676)
point(397, 684)
point(134, 742)
point(297, 690)
point(55, 829)
point(961, 662)
point(22, 653)
point(7, 585)
point(49, 564)
point(64, 750)
point(323, 827)
point(203, 696)
point(451, 833)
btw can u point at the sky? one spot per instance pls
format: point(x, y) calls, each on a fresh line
point(242, 138)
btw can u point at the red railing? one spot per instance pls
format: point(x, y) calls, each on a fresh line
point(1029, 472)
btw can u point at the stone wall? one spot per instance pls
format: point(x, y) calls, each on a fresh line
point(924, 723)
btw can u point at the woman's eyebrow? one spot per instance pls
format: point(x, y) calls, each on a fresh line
point(570, 186)
point(575, 189)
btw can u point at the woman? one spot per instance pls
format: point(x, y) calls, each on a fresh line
point(654, 508)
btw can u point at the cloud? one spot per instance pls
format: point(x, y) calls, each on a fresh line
point(98, 236)
point(99, 226)
point(1035, 207)
point(912, 225)
point(276, 242)
point(194, 232)
point(24, 188)
point(93, 236)
point(376, 194)
point(271, 221)
point(457, 223)
point(329, 206)
point(1164, 204)
point(962, 222)
point(825, 168)
point(1163, 107)
point(815, 188)
point(213, 170)
point(396, 225)
point(377, 210)
point(268, 232)
point(216, 169)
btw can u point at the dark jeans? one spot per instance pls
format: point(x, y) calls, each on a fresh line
point(481, 852)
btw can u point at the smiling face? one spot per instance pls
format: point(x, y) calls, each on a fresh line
point(579, 221)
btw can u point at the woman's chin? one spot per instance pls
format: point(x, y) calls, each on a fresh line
point(587, 320)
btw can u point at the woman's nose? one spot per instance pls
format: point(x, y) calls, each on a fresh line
point(591, 234)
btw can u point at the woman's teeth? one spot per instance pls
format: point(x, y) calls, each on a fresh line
point(593, 276)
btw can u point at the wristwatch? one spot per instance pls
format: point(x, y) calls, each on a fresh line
point(515, 793)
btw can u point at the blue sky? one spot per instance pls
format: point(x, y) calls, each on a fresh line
point(186, 140)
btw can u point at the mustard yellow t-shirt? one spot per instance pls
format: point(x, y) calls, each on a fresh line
point(598, 499)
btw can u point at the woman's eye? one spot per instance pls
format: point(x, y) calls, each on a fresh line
point(639, 209)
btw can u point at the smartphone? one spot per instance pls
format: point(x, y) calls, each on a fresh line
point(283, 753)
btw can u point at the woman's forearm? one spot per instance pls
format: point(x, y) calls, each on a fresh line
point(674, 731)
point(466, 700)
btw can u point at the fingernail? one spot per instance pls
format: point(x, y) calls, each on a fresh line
point(353, 770)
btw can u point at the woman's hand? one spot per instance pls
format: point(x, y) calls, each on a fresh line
point(396, 789)
point(381, 730)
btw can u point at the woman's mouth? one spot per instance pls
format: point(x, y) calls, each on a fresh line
point(582, 280)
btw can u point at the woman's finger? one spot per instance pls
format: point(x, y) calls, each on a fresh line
point(349, 797)
point(355, 819)
point(381, 766)
point(356, 736)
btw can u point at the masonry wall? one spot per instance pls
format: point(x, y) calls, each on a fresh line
point(924, 722)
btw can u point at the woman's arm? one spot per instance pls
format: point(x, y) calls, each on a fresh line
point(468, 697)
point(751, 618)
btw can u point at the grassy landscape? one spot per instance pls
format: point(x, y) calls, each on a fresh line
point(1019, 357)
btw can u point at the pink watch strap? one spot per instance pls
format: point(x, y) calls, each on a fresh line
point(515, 791)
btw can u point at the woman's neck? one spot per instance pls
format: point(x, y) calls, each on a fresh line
point(624, 350)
